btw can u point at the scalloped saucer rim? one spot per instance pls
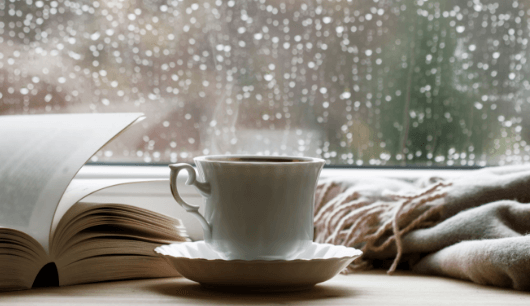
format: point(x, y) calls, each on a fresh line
point(202, 247)
point(300, 273)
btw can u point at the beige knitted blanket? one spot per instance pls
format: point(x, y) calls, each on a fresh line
point(472, 227)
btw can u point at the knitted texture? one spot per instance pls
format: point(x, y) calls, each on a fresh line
point(413, 220)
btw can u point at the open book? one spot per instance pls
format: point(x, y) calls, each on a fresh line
point(43, 219)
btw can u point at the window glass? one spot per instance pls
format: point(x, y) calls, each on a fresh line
point(363, 83)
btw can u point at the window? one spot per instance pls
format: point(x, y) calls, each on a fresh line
point(362, 83)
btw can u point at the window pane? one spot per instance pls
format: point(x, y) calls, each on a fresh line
point(371, 83)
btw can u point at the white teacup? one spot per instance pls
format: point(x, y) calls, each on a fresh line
point(257, 207)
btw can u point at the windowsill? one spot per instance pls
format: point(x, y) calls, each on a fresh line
point(159, 191)
point(374, 288)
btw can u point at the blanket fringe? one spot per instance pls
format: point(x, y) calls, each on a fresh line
point(352, 220)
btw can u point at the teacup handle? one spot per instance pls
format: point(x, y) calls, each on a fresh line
point(204, 189)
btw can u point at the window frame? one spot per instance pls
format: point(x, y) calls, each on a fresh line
point(161, 171)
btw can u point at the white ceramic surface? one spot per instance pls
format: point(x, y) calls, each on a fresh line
point(316, 264)
point(256, 207)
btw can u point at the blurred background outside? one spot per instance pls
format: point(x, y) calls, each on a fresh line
point(359, 83)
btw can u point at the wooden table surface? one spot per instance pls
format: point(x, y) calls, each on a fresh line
point(366, 288)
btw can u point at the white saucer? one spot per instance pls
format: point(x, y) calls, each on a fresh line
point(318, 263)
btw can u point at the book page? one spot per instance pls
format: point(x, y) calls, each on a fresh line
point(81, 188)
point(39, 156)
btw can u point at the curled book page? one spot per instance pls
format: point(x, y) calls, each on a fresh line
point(39, 156)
